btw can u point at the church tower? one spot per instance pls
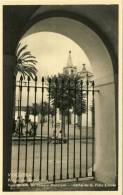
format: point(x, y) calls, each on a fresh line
point(69, 69)
point(85, 74)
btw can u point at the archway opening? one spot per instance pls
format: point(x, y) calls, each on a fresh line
point(101, 62)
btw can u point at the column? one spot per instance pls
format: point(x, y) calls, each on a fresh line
point(8, 99)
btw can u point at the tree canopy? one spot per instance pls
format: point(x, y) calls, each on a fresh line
point(25, 62)
point(66, 93)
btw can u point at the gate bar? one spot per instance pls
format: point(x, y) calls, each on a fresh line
point(93, 129)
point(54, 176)
point(20, 128)
point(47, 176)
point(31, 86)
point(81, 96)
point(68, 131)
point(33, 163)
point(74, 155)
point(62, 86)
point(28, 89)
point(42, 100)
point(87, 132)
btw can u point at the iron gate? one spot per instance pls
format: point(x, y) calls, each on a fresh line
point(53, 137)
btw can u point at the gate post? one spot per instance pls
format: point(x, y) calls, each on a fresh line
point(105, 133)
point(8, 98)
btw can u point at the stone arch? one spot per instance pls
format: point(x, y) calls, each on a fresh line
point(102, 63)
point(54, 12)
point(82, 35)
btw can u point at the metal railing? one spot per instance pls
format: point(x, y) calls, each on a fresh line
point(46, 156)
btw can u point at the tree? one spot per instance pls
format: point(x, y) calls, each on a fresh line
point(25, 62)
point(25, 65)
point(65, 93)
point(37, 108)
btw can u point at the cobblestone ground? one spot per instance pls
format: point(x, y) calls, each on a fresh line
point(51, 157)
point(71, 130)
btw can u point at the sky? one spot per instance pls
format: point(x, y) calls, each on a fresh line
point(51, 51)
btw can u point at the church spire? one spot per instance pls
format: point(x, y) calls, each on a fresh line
point(69, 60)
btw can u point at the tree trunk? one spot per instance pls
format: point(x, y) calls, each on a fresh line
point(63, 125)
point(52, 120)
point(79, 121)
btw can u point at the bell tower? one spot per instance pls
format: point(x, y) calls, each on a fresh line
point(69, 69)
